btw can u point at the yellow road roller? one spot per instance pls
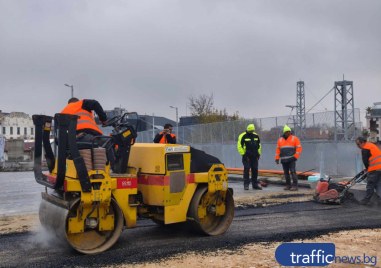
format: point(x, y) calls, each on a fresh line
point(94, 190)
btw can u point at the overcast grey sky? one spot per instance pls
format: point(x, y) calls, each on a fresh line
point(147, 55)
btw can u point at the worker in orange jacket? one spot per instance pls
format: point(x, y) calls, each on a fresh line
point(87, 128)
point(288, 151)
point(165, 136)
point(371, 157)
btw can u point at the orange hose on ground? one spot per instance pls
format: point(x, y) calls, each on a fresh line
point(261, 172)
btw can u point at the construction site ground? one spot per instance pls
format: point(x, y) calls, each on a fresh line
point(263, 221)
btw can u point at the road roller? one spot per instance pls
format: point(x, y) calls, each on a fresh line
point(94, 190)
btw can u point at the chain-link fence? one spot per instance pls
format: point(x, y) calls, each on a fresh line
point(317, 126)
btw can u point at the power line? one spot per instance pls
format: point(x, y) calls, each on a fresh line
point(321, 99)
point(315, 98)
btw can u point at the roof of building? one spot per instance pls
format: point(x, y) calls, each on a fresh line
point(157, 120)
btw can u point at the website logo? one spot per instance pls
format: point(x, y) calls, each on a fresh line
point(305, 254)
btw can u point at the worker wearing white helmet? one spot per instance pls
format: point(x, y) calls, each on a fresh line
point(288, 151)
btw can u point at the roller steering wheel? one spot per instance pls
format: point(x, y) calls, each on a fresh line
point(112, 121)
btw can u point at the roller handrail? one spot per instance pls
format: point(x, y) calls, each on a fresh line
point(42, 126)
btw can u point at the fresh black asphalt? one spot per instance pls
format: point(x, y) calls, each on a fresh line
point(149, 242)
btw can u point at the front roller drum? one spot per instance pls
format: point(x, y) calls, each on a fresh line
point(210, 223)
point(91, 241)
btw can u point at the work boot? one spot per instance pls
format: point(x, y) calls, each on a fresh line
point(246, 187)
point(288, 187)
point(365, 201)
point(257, 186)
point(294, 188)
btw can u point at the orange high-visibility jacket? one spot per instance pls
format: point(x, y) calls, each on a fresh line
point(288, 148)
point(86, 119)
point(164, 138)
point(375, 156)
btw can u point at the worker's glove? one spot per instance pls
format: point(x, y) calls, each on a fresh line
point(277, 161)
point(294, 159)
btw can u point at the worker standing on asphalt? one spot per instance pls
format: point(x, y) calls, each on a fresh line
point(166, 136)
point(249, 146)
point(371, 157)
point(288, 151)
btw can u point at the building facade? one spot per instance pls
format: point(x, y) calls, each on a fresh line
point(373, 122)
point(16, 125)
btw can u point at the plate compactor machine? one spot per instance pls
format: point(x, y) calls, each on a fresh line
point(93, 190)
point(328, 192)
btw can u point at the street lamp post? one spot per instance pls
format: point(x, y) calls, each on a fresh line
point(72, 89)
point(177, 116)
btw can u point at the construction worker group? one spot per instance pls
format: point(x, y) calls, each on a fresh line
point(287, 152)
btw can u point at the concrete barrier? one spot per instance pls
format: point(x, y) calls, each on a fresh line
point(342, 159)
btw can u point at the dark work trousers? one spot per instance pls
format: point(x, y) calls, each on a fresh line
point(86, 137)
point(288, 168)
point(373, 179)
point(250, 163)
point(95, 142)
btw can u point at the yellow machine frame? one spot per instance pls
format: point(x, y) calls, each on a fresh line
point(154, 182)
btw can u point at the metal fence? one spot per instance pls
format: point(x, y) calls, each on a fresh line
point(320, 151)
point(331, 158)
point(318, 126)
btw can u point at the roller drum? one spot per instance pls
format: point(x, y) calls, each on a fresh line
point(92, 241)
point(53, 218)
point(210, 224)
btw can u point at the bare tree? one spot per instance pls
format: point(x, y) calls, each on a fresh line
point(201, 105)
point(203, 108)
